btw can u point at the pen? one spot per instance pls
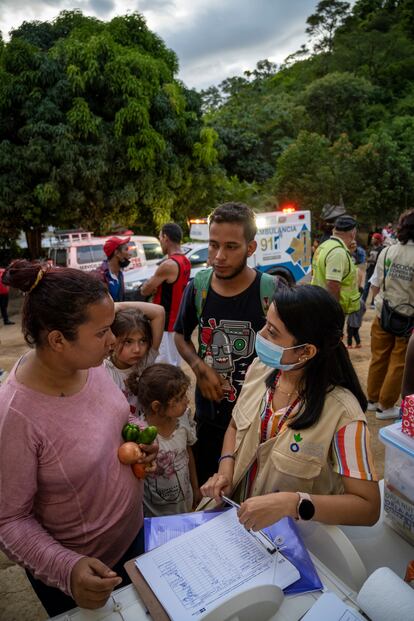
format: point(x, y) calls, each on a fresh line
point(259, 534)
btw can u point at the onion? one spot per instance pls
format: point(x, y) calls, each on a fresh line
point(129, 453)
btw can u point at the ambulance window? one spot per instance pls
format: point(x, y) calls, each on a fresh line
point(97, 253)
point(60, 258)
point(83, 255)
point(152, 251)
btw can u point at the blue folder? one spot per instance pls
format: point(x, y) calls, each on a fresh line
point(284, 533)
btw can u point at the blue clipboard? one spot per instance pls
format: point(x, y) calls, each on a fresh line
point(284, 534)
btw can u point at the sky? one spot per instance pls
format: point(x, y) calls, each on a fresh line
point(213, 39)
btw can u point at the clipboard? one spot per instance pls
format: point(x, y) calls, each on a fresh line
point(145, 592)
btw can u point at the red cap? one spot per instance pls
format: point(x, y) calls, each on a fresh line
point(113, 243)
point(377, 236)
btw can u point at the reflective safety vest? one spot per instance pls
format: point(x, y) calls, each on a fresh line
point(349, 296)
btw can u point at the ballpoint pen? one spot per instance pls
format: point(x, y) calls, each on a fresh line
point(259, 535)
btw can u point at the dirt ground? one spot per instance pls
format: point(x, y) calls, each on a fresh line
point(17, 600)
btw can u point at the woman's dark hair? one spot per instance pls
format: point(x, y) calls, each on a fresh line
point(312, 315)
point(56, 298)
point(161, 382)
point(405, 228)
point(128, 320)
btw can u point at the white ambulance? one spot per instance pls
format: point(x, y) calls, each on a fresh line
point(81, 250)
point(283, 243)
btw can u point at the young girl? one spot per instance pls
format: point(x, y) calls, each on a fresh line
point(162, 393)
point(138, 338)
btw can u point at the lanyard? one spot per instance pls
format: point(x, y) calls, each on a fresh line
point(268, 411)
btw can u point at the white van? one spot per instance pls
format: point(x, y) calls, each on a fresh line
point(82, 251)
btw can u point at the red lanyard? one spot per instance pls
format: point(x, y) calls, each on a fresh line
point(269, 411)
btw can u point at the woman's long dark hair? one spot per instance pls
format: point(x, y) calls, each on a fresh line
point(312, 315)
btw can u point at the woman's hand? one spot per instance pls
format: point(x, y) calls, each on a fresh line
point(216, 486)
point(149, 451)
point(92, 582)
point(261, 511)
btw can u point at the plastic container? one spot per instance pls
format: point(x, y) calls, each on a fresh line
point(399, 480)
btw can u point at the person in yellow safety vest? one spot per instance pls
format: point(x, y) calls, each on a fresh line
point(333, 267)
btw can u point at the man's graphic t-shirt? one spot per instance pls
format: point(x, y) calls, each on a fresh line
point(228, 327)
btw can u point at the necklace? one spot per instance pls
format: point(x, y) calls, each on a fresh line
point(288, 394)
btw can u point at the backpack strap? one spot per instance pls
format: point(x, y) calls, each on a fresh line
point(268, 285)
point(385, 258)
point(202, 282)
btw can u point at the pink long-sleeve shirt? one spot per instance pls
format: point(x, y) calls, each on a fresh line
point(63, 492)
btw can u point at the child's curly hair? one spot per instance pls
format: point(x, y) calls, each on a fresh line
point(159, 382)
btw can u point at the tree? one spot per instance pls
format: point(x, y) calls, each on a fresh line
point(95, 129)
point(322, 24)
point(336, 103)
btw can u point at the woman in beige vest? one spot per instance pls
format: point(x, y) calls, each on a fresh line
point(298, 443)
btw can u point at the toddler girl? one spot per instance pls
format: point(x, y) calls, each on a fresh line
point(173, 487)
point(138, 338)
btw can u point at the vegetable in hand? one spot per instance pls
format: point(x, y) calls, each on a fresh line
point(148, 435)
point(132, 433)
point(129, 453)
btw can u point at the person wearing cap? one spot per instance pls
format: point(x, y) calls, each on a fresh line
point(116, 249)
point(373, 254)
point(333, 267)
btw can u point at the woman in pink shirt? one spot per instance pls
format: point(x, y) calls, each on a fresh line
point(70, 512)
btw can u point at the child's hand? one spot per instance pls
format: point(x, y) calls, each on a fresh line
point(149, 451)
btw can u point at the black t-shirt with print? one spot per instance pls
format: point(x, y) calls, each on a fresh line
point(228, 327)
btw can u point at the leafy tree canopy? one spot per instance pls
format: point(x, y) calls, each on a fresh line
point(95, 129)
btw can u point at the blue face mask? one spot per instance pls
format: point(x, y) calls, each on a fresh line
point(271, 354)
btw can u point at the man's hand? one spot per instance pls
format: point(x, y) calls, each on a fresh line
point(92, 582)
point(210, 383)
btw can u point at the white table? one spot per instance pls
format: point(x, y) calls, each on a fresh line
point(126, 605)
point(349, 553)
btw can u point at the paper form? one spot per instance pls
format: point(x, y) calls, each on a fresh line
point(329, 606)
point(197, 571)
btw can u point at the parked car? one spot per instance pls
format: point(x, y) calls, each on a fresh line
point(83, 251)
point(196, 253)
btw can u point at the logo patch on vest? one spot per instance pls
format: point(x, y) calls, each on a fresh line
point(294, 447)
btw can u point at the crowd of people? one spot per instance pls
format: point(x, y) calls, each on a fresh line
point(280, 420)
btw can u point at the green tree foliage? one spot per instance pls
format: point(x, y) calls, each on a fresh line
point(95, 129)
point(322, 25)
point(328, 124)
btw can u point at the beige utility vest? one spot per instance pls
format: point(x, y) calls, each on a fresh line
point(292, 460)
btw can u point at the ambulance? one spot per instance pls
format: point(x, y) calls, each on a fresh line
point(283, 243)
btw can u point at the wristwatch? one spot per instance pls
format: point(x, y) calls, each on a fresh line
point(305, 508)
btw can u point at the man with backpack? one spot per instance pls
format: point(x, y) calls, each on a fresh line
point(333, 267)
point(228, 302)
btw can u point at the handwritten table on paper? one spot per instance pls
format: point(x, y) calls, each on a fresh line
point(194, 572)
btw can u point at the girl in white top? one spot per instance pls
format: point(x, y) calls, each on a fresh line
point(138, 329)
point(173, 487)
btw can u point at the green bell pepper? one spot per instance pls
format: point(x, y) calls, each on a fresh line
point(148, 435)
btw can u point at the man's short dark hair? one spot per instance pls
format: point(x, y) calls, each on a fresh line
point(173, 231)
point(237, 213)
